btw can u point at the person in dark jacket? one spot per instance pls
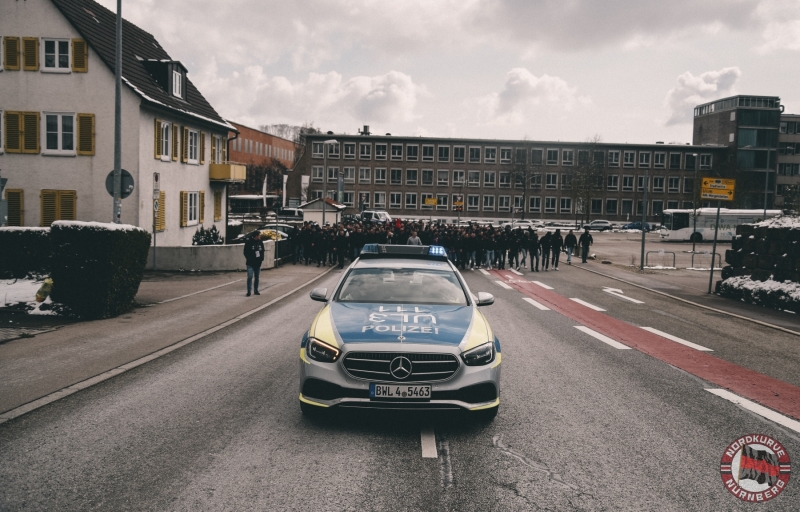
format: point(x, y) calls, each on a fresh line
point(533, 249)
point(556, 243)
point(544, 243)
point(254, 257)
point(570, 242)
point(585, 241)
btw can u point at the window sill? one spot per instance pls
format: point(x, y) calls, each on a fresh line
point(59, 153)
point(166, 159)
point(56, 70)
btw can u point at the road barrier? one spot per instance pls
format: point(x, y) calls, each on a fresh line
point(661, 252)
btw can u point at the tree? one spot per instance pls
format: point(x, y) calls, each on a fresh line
point(526, 174)
point(588, 177)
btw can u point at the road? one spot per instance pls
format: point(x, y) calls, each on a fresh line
point(583, 425)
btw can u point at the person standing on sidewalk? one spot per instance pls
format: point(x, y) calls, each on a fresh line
point(254, 257)
point(556, 243)
point(544, 243)
point(570, 242)
point(585, 241)
point(533, 249)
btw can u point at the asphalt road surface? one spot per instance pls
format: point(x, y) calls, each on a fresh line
point(583, 424)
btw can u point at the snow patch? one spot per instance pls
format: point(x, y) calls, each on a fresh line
point(108, 226)
point(782, 221)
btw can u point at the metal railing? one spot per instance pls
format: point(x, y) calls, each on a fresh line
point(660, 252)
point(283, 252)
point(713, 257)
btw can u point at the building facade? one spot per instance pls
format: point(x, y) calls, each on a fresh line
point(57, 123)
point(788, 157)
point(494, 179)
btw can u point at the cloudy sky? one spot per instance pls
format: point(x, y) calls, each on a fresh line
point(626, 70)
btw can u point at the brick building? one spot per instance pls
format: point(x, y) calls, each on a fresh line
point(788, 155)
point(255, 148)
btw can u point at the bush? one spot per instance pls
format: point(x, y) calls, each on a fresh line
point(207, 236)
point(25, 250)
point(769, 293)
point(96, 268)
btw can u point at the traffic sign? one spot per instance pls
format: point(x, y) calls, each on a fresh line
point(155, 205)
point(126, 187)
point(718, 188)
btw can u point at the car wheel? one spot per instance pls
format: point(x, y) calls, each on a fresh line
point(696, 237)
point(485, 415)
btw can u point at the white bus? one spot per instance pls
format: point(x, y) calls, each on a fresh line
point(679, 224)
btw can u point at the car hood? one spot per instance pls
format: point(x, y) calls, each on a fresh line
point(406, 323)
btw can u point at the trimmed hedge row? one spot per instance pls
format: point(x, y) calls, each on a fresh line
point(25, 251)
point(97, 268)
point(774, 295)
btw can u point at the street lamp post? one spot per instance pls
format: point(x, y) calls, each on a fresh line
point(644, 216)
point(325, 175)
point(694, 203)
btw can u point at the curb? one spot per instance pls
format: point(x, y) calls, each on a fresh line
point(91, 381)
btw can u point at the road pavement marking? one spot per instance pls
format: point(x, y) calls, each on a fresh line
point(484, 272)
point(678, 340)
point(583, 302)
point(616, 292)
point(445, 467)
point(536, 304)
point(201, 291)
point(542, 285)
point(428, 441)
point(771, 415)
point(504, 285)
point(515, 271)
point(603, 338)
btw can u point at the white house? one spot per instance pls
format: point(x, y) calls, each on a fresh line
point(57, 124)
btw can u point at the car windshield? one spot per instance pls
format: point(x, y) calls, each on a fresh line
point(400, 285)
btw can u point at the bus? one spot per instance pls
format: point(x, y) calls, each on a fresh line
point(679, 224)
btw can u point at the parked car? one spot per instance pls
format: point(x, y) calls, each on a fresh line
point(638, 225)
point(287, 214)
point(598, 225)
point(375, 216)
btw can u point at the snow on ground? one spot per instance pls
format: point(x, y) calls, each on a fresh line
point(14, 291)
point(661, 267)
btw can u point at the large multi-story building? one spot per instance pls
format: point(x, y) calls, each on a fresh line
point(788, 156)
point(57, 93)
point(256, 148)
point(499, 178)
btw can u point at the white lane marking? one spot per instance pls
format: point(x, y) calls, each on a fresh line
point(535, 304)
point(484, 272)
point(542, 285)
point(678, 340)
point(583, 302)
point(618, 293)
point(428, 441)
point(504, 285)
point(515, 271)
point(603, 338)
point(201, 291)
point(771, 415)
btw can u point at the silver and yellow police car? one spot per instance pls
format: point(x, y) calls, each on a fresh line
point(401, 330)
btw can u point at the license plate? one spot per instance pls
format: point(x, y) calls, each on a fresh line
point(399, 391)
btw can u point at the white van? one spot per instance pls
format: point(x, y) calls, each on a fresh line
point(375, 216)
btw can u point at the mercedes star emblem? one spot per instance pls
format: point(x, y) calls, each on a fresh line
point(400, 367)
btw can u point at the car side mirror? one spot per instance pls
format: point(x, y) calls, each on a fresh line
point(320, 294)
point(485, 299)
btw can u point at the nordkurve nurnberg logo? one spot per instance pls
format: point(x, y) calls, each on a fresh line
point(400, 367)
point(755, 468)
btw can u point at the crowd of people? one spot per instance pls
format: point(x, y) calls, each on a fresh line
point(468, 247)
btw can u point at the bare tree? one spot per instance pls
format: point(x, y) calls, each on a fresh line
point(526, 174)
point(588, 178)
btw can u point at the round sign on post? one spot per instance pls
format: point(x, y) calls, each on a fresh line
point(127, 184)
point(155, 205)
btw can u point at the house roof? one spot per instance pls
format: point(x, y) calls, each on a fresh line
point(97, 25)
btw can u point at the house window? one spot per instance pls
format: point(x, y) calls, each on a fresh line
point(505, 155)
point(394, 199)
point(363, 200)
point(350, 150)
point(521, 156)
point(380, 176)
point(218, 149)
point(365, 151)
point(423, 201)
point(427, 177)
point(597, 206)
point(627, 207)
point(380, 151)
point(442, 177)
point(536, 181)
point(691, 162)
point(364, 175)
point(459, 153)
point(519, 203)
point(177, 84)
point(658, 207)
point(705, 162)
point(193, 211)
point(474, 178)
point(613, 158)
point(380, 200)
point(333, 150)
point(349, 174)
point(612, 182)
point(441, 201)
point(411, 176)
point(489, 179)
point(674, 160)
point(504, 203)
point(56, 55)
point(672, 205)
point(658, 183)
point(397, 151)
point(444, 153)
point(599, 158)
point(396, 177)
point(166, 130)
point(660, 160)
point(348, 198)
point(674, 184)
point(490, 157)
point(473, 202)
point(427, 153)
point(505, 180)
point(316, 194)
point(534, 204)
point(566, 205)
point(566, 156)
point(611, 206)
point(640, 183)
point(537, 156)
point(458, 178)
point(627, 183)
point(333, 174)
point(644, 159)
point(551, 180)
point(566, 181)
point(549, 205)
point(316, 173)
point(59, 136)
point(488, 203)
point(630, 159)
point(639, 208)
point(552, 157)
point(193, 155)
point(412, 153)
point(475, 156)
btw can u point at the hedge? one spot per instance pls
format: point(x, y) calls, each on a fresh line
point(766, 292)
point(97, 268)
point(25, 251)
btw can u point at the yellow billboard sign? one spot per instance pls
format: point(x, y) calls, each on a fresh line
point(717, 188)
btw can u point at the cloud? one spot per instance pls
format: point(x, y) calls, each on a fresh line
point(524, 92)
point(781, 20)
point(690, 90)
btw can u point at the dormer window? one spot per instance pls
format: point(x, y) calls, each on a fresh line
point(177, 83)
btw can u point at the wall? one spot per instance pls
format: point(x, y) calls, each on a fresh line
point(206, 257)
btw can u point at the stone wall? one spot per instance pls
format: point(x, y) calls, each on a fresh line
point(206, 257)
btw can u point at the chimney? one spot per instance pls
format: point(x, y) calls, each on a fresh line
point(365, 131)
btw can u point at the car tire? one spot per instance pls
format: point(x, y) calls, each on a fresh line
point(696, 237)
point(485, 415)
point(312, 411)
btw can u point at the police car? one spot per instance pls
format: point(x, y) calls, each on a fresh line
point(401, 330)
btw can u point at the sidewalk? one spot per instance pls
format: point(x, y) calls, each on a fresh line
point(173, 307)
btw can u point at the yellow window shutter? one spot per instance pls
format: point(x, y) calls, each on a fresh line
point(13, 132)
point(11, 53)
point(202, 148)
point(184, 207)
point(202, 206)
point(30, 132)
point(49, 207)
point(175, 145)
point(67, 204)
point(80, 56)
point(217, 205)
point(16, 207)
point(86, 134)
point(157, 139)
point(161, 218)
point(184, 144)
point(30, 53)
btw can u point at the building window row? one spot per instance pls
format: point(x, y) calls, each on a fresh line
point(48, 133)
point(44, 54)
point(173, 142)
point(254, 147)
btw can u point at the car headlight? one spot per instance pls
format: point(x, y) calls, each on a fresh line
point(480, 355)
point(322, 352)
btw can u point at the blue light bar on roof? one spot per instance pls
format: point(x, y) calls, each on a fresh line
point(436, 250)
point(369, 249)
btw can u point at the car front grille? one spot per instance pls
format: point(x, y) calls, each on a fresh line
point(424, 367)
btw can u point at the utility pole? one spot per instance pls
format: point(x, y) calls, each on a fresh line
point(117, 209)
point(696, 191)
point(644, 217)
